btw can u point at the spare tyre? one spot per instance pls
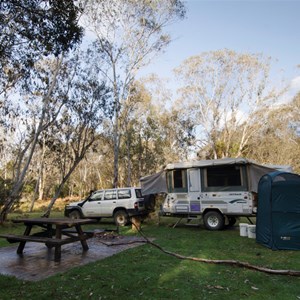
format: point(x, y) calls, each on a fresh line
point(150, 202)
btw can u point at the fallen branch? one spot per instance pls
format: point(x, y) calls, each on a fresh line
point(224, 262)
point(121, 243)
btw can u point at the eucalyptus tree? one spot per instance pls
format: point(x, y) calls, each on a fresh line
point(70, 145)
point(154, 133)
point(29, 32)
point(80, 122)
point(278, 140)
point(226, 90)
point(94, 172)
point(294, 113)
point(128, 34)
point(35, 109)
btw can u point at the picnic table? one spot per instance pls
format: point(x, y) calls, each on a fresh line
point(53, 230)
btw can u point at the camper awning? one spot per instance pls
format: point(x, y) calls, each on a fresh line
point(156, 183)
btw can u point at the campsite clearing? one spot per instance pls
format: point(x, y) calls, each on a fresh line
point(147, 272)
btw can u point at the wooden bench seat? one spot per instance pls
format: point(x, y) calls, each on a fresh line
point(11, 238)
point(89, 233)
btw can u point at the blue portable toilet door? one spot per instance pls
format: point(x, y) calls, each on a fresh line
point(264, 217)
point(286, 215)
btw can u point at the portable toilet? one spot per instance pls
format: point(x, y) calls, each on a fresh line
point(278, 211)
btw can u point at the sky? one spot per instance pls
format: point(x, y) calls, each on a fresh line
point(270, 27)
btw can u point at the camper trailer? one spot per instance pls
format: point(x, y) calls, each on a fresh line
point(219, 190)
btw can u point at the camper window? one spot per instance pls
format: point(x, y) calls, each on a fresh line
point(224, 178)
point(177, 181)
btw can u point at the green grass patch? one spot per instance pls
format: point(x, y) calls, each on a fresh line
point(147, 273)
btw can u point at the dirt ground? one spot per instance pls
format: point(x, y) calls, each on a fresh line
point(37, 261)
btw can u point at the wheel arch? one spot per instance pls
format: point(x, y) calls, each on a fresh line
point(75, 208)
point(213, 209)
point(119, 208)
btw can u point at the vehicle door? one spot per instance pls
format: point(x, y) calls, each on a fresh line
point(194, 190)
point(109, 202)
point(92, 207)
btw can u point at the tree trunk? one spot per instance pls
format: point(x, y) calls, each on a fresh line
point(116, 127)
point(6, 208)
point(34, 197)
point(52, 202)
point(41, 178)
point(116, 161)
point(136, 223)
point(16, 190)
point(140, 157)
point(41, 186)
point(128, 161)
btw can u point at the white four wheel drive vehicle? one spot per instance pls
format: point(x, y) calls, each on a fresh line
point(120, 204)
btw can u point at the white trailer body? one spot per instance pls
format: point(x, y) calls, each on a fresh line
point(219, 190)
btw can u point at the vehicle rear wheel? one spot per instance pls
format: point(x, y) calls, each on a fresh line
point(213, 220)
point(121, 218)
point(75, 214)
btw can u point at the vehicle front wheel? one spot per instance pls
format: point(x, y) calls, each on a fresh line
point(75, 214)
point(213, 220)
point(121, 218)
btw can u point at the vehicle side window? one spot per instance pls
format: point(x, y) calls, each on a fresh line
point(124, 194)
point(138, 193)
point(110, 195)
point(96, 196)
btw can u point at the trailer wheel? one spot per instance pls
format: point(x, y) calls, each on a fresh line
point(213, 220)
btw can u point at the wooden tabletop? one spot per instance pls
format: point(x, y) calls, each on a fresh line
point(55, 221)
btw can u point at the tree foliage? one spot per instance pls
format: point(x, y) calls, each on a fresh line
point(34, 113)
point(277, 141)
point(32, 29)
point(152, 134)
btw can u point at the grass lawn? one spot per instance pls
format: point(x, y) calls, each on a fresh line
point(147, 273)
